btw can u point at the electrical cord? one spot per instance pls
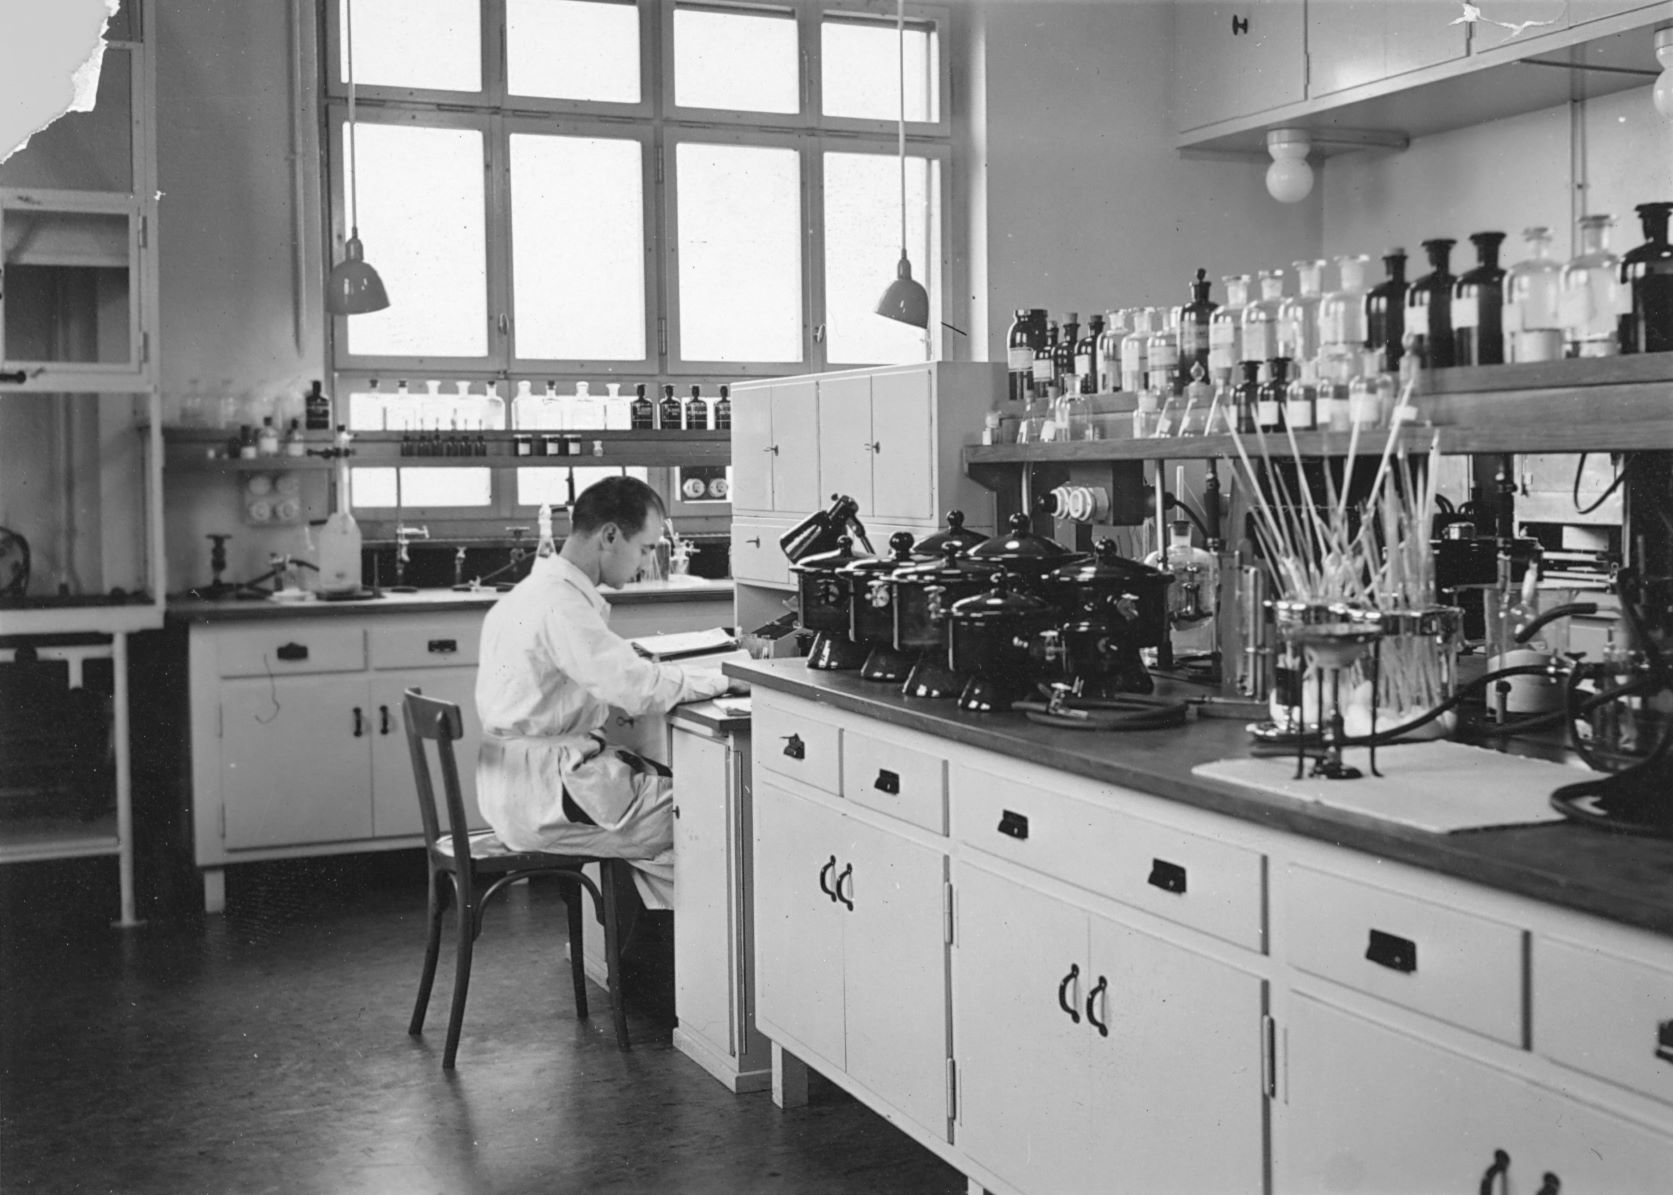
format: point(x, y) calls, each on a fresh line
point(1106, 713)
point(1580, 469)
point(1174, 502)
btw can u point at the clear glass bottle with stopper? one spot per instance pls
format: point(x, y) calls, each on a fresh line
point(1109, 351)
point(1134, 347)
point(1533, 288)
point(1225, 329)
point(1260, 319)
point(1593, 299)
point(1298, 315)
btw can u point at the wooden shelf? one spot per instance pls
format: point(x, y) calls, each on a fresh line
point(188, 448)
point(1187, 448)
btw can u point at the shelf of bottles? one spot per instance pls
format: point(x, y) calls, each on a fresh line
point(1545, 356)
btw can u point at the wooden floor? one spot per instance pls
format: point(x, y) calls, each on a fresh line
point(266, 1051)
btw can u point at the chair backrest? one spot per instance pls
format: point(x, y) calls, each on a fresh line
point(433, 720)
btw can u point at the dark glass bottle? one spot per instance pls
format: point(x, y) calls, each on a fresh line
point(1020, 343)
point(696, 411)
point(1478, 306)
point(1429, 308)
point(1385, 312)
point(1269, 408)
point(1248, 396)
point(1086, 356)
point(1194, 320)
point(316, 407)
point(642, 414)
point(669, 414)
point(723, 410)
point(1063, 356)
point(1647, 272)
point(1045, 356)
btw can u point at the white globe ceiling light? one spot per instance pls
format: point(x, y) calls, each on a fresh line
point(1289, 179)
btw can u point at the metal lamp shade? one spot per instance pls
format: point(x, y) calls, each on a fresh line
point(354, 287)
point(905, 300)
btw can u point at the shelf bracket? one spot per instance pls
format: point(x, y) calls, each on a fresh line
point(1590, 66)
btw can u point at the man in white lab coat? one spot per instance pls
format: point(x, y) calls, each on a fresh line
point(551, 668)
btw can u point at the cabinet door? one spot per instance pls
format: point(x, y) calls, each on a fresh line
point(1346, 41)
point(705, 995)
point(752, 450)
point(295, 760)
point(1237, 59)
point(795, 417)
point(1552, 16)
point(394, 797)
point(798, 930)
point(1177, 1097)
point(1421, 33)
point(895, 973)
point(1024, 1107)
point(845, 438)
point(905, 456)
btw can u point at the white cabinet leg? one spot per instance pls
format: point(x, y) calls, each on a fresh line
point(789, 1079)
point(214, 890)
point(974, 1188)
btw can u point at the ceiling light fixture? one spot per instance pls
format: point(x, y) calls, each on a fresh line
point(1289, 179)
point(353, 287)
point(905, 300)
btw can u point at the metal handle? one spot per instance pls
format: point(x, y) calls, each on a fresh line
point(772, 448)
point(1102, 1027)
point(1013, 825)
point(1240, 25)
point(1169, 877)
point(1501, 1163)
point(442, 647)
point(383, 719)
point(1395, 953)
point(292, 651)
point(847, 873)
point(1550, 1185)
point(794, 747)
point(359, 723)
point(754, 543)
point(873, 445)
point(1664, 1041)
point(887, 782)
point(1063, 990)
point(15, 378)
point(830, 866)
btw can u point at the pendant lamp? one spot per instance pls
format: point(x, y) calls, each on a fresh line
point(353, 287)
point(905, 300)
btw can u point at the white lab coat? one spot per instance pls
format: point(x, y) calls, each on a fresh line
point(550, 670)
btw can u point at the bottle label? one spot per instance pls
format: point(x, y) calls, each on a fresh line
point(1258, 342)
point(1466, 313)
point(1267, 412)
point(1298, 413)
point(1020, 360)
point(1132, 358)
point(1042, 370)
point(1164, 356)
point(1083, 364)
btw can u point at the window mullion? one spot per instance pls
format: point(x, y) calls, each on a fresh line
point(501, 316)
point(495, 88)
point(813, 251)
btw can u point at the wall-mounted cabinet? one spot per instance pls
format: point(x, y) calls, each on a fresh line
point(1238, 59)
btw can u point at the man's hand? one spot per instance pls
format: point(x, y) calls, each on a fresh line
point(736, 688)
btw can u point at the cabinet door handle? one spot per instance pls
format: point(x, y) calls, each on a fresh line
point(292, 651)
point(1013, 825)
point(1063, 992)
point(442, 647)
point(1169, 877)
point(830, 866)
point(754, 543)
point(1501, 1164)
point(772, 448)
point(1102, 1027)
point(887, 782)
point(1240, 25)
point(873, 445)
point(359, 722)
point(794, 747)
point(383, 719)
point(1395, 953)
point(846, 874)
point(1664, 1041)
point(15, 378)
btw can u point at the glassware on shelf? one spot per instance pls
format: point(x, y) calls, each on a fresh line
point(618, 415)
point(1161, 353)
point(1298, 315)
point(1342, 311)
point(1301, 400)
point(1196, 319)
point(1269, 409)
point(525, 408)
point(1336, 373)
point(1260, 319)
point(1429, 309)
point(642, 411)
point(1134, 347)
point(1086, 355)
point(1109, 351)
point(669, 413)
point(1365, 404)
point(1076, 417)
point(1044, 358)
point(1647, 273)
point(1225, 328)
point(1221, 416)
point(1477, 305)
point(1532, 320)
point(1063, 356)
point(1020, 342)
point(1593, 299)
point(1385, 312)
point(1247, 397)
point(1145, 415)
point(1196, 403)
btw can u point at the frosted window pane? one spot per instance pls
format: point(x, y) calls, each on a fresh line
point(414, 43)
point(742, 62)
point(860, 69)
point(535, 486)
point(446, 487)
point(421, 220)
point(373, 488)
point(740, 217)
point(578, 247)
point(862, 249)
point(573, 50)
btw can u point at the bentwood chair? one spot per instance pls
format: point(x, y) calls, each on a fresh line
point(467, 869)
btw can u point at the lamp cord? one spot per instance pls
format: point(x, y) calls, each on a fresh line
point(354, 172)
point(900, 45)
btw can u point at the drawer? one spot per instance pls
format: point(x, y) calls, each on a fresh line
point(1215, 887)
point(900, 781)
point(1605, 1015)
point(278, 650)
point(790, 740)
point(1450, 965)
point(756, 555)
point(426, 645)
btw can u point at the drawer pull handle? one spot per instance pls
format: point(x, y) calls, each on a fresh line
point(359, 723)
point(887, 782)
point(1063, 992)
point(1169, 877)
point(292, 651)
point(1501, 1164)
point(824, 872)
point(1395, 953)
point(847, 874)
point(794, 747)
point(754, 542)
point(1664, 1041)
point(383, 719)
point(1013, 825)
point(1092, 1001)
point(443, 647)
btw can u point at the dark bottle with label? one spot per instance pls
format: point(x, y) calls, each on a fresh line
point(316, 409)
point(1063, 355)
point(723, 410)
point(1086, 356)
point(1429, 308)
point(1020, 342)
point(642, 413)
point(1044, 357)
point(1478, 300)
point(1248, 396)
point(696, 411)
point(1194, 320)
point(1385, 312)
point(1647, 272)
point(1274, 392)
point(669, 414)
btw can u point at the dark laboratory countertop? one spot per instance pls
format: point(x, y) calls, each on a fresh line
point(430, 601)
point(1624, 878)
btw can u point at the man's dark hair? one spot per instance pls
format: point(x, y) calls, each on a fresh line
point(624, 501)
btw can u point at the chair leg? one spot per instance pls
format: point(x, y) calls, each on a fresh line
point(613, 948)
point(461, 981)
point(437, 907)
point(575, 898)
